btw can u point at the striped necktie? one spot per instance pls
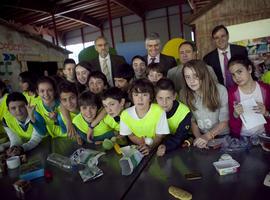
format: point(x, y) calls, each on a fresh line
point(228, 82)
point(105, 69)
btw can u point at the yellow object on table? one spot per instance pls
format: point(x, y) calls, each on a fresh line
point(180, 193)
point(117, 148)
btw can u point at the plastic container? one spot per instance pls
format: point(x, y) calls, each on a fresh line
point(265, 141)
point(13, 162)
point(225, 156)
point(60, 161)
point(224, 167)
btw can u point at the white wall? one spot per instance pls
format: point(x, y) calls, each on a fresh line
point(260, 28)
point(133, 27)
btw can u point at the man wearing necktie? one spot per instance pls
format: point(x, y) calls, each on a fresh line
point(152, 60)
point(153, 47)
point(106, 62)
point(219, 57)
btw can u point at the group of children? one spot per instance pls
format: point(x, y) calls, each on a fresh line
point(143, 106)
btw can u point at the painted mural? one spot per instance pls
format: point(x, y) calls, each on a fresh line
point(259, 52)
point(16, 49)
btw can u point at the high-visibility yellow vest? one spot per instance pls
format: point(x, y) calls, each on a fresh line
point(3, 106)
point(53, 129)
point(3, 110)
point(266, 77)
point(82, 125)
point(72, 115)
point(180, 113)
point(111, 123)
point(15, 127)
point(145, 127)
point(33, 99)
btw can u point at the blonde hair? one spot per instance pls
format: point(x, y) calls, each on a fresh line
point(208, 87)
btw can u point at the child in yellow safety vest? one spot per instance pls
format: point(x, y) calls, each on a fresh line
point(145, 122)
point(3, 110)
point(178, 116)
point(89, 105)
point(69, 100)
point(47, 108)
point(113, 101)
point(18, 126)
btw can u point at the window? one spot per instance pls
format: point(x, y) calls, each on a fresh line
point(76, 49)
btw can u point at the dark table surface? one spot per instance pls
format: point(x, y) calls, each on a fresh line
point(160, 173)
point(69, 185)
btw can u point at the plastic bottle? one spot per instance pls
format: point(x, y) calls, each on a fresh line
point(61, 161)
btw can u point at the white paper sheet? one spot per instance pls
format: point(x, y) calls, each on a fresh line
point(249, 118)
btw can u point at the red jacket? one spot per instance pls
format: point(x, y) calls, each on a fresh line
point(234, 96)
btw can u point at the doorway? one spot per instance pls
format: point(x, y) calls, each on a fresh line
point(42, 68)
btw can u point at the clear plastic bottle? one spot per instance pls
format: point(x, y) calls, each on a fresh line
point(61, 161)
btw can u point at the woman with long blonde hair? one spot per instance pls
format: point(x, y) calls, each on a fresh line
point(208, 101)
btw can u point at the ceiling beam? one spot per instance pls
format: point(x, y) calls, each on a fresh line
point(84, 19)
point(113, 9)
point(66, 25)
point(64, 12)
point(130, 5)
point(26, 8)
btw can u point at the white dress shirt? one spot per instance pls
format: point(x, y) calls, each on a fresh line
point(149, 59)
point(101, 61)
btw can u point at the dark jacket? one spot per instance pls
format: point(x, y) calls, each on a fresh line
point(116, 60)
point(167, 61)
point(212, 59)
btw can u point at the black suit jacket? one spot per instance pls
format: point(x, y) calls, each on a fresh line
point(167, 61)
point(212, 59)
point(116, 60)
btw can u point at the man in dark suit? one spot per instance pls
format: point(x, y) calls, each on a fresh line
point(105, 62)
point(152, 44)
point(219, 57)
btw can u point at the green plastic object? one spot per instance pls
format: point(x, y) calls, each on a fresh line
point(90, 53)
point(107, 144)
point(266, 77)
point(122, 141)
point(113, 139)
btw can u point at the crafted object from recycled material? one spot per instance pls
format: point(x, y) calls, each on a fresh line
point(130, 160)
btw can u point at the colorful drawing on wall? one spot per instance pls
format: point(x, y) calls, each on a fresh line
point(14, 47)
point(259, 52)
point(5, 62)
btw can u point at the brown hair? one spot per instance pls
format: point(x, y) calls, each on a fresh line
point(165, 84)
point(156, 67)
point(50, 81)
point(219, 27)
point(142, 86)
point(208, 87)
point(244, 61)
